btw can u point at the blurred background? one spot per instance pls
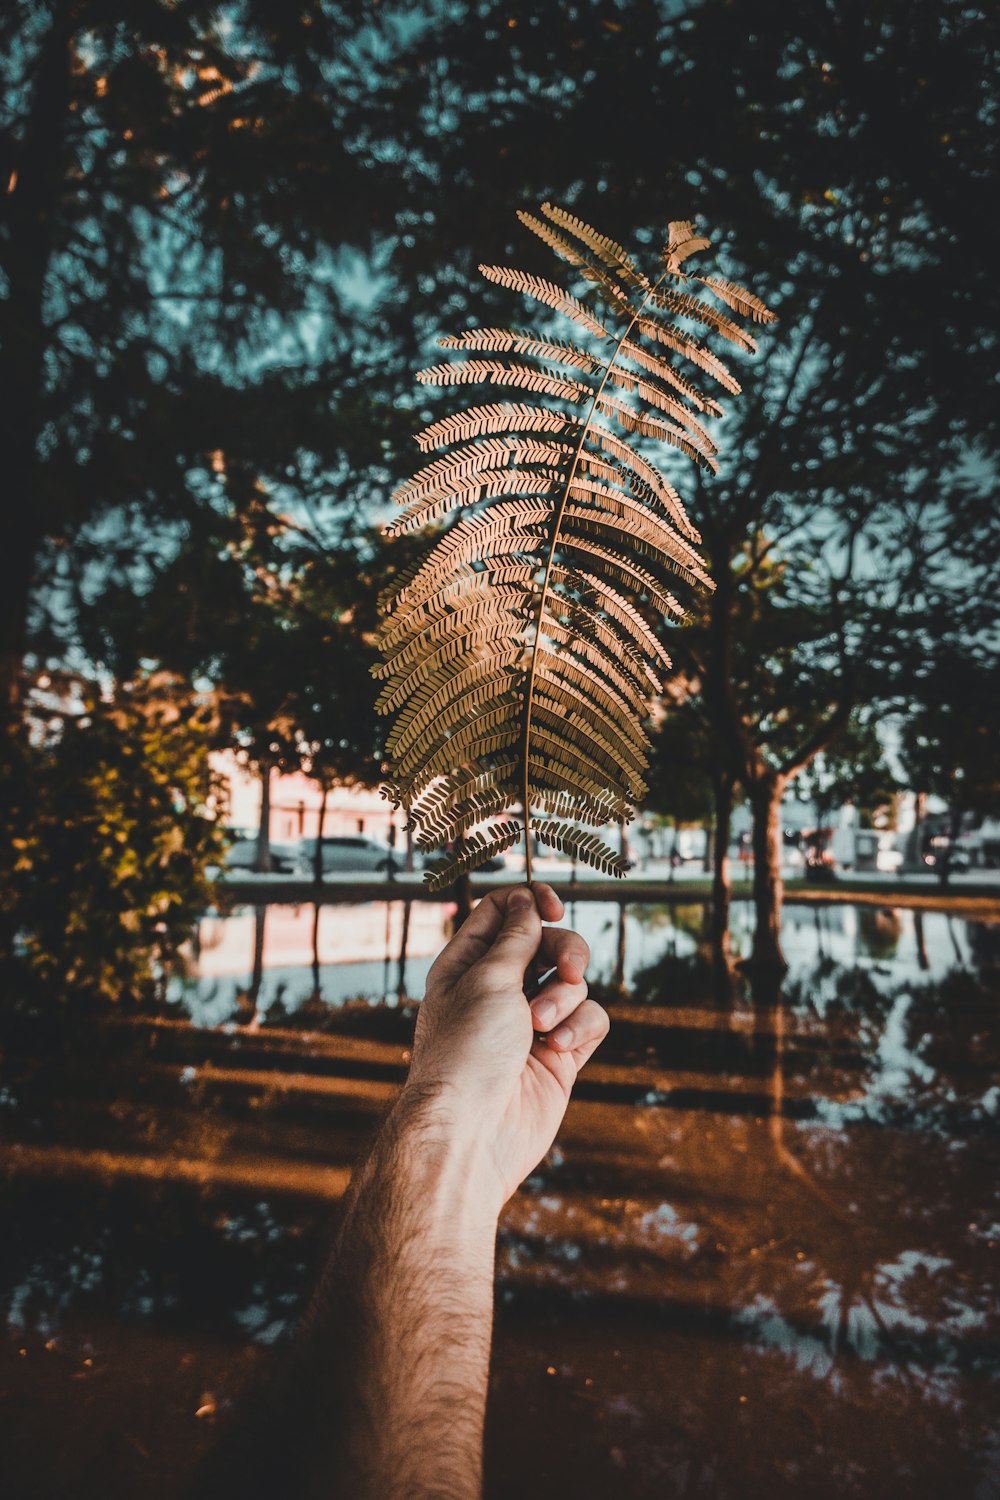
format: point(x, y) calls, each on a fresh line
point(762, 1260)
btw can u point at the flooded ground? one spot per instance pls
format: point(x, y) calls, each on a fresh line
point(762, 1259)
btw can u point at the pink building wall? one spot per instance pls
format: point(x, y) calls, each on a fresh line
point(295, 806)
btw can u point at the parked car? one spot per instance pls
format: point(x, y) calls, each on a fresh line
point(352, 855)
point(242, 856)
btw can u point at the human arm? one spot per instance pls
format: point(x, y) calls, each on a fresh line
point(388, 1375)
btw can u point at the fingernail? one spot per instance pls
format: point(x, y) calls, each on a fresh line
point(562, 1036)
point(544, 1012)
point(520, 900)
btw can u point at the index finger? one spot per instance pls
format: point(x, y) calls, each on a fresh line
point(478, 932)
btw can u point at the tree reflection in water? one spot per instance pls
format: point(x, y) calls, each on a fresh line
point(761, 1259)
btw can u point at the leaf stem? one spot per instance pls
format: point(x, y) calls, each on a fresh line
point(529, 699)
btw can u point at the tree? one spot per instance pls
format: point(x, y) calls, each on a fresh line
point(174, 181)
point(277, 618)
point(156, 251)
point(688, 783)
point(115, 815)
point(853, 769)
point(949, 739)
point(853, 451)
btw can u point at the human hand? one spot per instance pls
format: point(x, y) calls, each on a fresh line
point(498, 1090)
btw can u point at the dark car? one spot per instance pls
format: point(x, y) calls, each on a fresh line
point(241, 857)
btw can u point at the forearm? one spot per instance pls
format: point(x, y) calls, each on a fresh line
point(397, 1340)
point(383, 1393)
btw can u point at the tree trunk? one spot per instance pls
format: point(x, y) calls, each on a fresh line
point(707, 863)
point(315, 952)
point(620, 951)
point(404, 938)
point(914, 844)
point(320, 826)
point(32, 200)
point(943, 865)
point(257, 974)
point(722, 887)
point(768, 890)
point(623, 830)
point(463, 900)
point(262, 860)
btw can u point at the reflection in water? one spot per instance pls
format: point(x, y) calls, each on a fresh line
point(382, 951)
point(761, 1260)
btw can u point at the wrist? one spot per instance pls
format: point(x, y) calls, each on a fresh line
point(447, 1164)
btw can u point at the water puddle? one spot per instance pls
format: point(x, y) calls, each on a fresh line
point(761, 1260)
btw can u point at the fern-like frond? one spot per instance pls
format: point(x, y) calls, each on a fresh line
point(675, 338)
point(569, 252)
point(595, 615)
point(571, 745)
point(566, 804)
point(477, 616)
point(474, 743)
point(479, 847)
point(488, 484)
point(480, 421)
point(446, 820)
point(586, 846)
point(450, 797)
point(518, 377)
point(633, 462)
point(551, 774)
point(654, 394)
point(687, 305)
point(739, 299)
point(627, 524)
point(447, 697)
point(649, 359)
point(625, 569)
point(486, 717)
point(548, 293)
point(632, 681)
point(608, 250)
point(483, 538)
point(635, 421)
point(472, 459)
point(516, 341)
point(520, 650)
point(682, 241)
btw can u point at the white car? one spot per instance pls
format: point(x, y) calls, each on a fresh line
point(352, 854)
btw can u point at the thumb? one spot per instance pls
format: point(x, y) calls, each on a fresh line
point(517, 941)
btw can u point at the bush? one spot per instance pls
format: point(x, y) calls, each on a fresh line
point(115, 815)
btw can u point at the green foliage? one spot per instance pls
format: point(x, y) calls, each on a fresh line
point(949, 739)
point(232, 232)
point(852, 769)
point(680, 766)
point(115, 815)
point(182, 189)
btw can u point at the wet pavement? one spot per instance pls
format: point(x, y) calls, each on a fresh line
point(762, 1258)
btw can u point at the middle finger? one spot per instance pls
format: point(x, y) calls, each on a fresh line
point(566, 951)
